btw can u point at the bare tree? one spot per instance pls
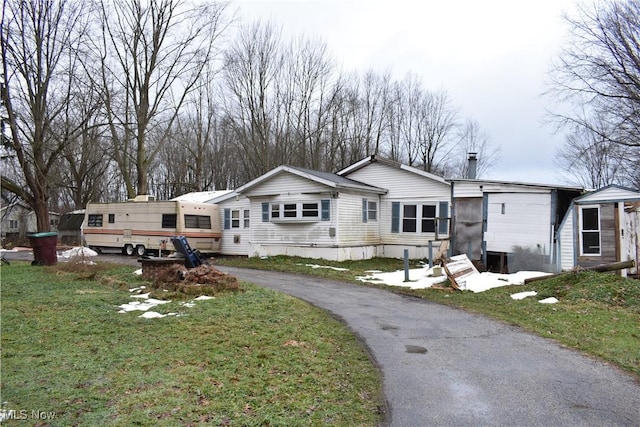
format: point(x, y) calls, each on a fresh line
point(593, 161)
point(251, 67)
point(152, 56)
point(599, 73)
point(39, 41)
point(471, 139)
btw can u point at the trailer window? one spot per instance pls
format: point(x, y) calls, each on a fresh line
point(95, 220)
point(197, 221)
point(169, 220)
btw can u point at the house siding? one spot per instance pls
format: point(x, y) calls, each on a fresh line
point(287, 184)
point(608, 233)
point(405, 187)
point(524, 222)
point(316, 233)
point(566, 242)
point(352, 229)
point(235, 241)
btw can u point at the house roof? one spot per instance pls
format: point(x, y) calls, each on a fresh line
point(517, 183)
point(610, 193)
point(329, 179)
point(373, 159)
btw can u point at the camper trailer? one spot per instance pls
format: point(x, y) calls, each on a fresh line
point(142, 225)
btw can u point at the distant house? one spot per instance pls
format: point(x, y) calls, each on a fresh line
point(18, 221)
point(301, 212)
point(509, 226)
point(600, 227)
point(414, 210)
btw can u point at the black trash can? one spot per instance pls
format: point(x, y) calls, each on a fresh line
point(44, 248)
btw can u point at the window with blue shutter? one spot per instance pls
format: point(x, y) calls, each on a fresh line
point(227, 219)
point(395, 217)
point(443, 224)
point(364, 210)
point(265, 211)
point(325, 209)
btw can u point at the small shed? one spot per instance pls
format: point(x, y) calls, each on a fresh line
point(70, 228)
point(601, 227)
point(508, 226)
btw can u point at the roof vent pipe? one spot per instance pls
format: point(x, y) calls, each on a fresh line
point(473, 166)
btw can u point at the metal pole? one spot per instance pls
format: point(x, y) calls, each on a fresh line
point(430, 253)
point(406, 265)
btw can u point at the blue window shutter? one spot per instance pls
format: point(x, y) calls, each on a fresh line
point(395, 217)
point(364, 210)
point(265, 211)
point(227, 219)
point(325, 209)
point(443, 224)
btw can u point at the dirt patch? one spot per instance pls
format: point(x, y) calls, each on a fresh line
point(201, 280)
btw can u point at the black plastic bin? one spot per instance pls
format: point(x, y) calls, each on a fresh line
point(192, 258)
point(44, 248)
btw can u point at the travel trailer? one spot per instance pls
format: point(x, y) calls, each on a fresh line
point(143, 224)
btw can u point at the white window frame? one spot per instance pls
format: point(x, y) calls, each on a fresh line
point(235, 218)
point(246, 218)
point(294, 211)
point(582, 231)
point(418, 220)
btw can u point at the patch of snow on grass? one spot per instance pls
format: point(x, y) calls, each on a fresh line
point(550, 300)
point(523, 295)
point(419, 278)
point(325, 266)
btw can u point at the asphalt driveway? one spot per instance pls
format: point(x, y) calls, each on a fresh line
point(445, 367)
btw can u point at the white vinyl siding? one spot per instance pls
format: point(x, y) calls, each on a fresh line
point(525, 222)
point(236, 241)
point(567, 253)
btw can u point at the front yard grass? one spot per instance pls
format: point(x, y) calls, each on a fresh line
point(254, 357)
point(598, 313)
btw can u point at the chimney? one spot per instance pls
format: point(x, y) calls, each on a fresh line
point(472, 168)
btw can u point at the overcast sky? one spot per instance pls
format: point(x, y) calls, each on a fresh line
point(490, 56)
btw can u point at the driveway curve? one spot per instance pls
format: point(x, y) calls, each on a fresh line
point(444, 367)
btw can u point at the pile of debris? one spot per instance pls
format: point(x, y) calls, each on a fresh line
point(201, 280)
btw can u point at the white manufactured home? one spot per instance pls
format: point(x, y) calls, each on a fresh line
point(142, 225)
point(601, 227)
point(300, 212)
point(414, 211)
point(508, 226)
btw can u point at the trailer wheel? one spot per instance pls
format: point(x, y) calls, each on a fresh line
point(128, 250)
point(141, 250)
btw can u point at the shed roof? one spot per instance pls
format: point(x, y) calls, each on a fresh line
point(610, 193)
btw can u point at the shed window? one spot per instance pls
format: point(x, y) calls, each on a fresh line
point(590, 230)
